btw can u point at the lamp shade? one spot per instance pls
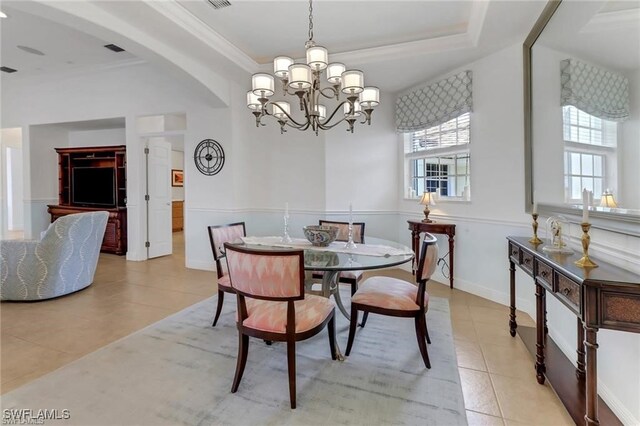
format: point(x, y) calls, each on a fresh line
point(317, 58)
point(299, 76)
point(357, 109)
point(370, 97)
point(277, 109)
point(427, 199)
point(607, 200)
point(321, 110)
point(252, 101)
point(334, 72)
point(281, 66)
point(352, 82)
point(262, 84)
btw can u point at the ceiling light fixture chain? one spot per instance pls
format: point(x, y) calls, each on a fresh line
point(310, 20)
point(304, 81)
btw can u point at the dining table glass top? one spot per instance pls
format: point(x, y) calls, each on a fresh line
point(376, 253)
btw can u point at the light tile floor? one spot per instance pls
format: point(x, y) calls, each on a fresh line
point(498, 379)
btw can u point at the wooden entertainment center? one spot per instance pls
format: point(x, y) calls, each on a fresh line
point(104, 167)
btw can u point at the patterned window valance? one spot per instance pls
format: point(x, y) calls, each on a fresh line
point(595, 91)
point(435, 104)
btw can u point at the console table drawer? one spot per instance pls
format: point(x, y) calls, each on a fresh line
point(514, 253)
point(527, 262)
point(569, 292)
point(544, 274)
point(621, 310)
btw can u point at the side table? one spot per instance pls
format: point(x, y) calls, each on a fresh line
point(448, 229)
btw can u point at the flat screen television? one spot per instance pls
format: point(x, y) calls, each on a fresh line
point(93, 186)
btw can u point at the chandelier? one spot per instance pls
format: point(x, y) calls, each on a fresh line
point(303, 80)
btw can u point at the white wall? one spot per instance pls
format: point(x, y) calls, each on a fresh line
point(11, 180)
point(101, 137)
point(630, 148)
point(177, 163)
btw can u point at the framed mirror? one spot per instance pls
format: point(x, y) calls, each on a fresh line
point(582, 112)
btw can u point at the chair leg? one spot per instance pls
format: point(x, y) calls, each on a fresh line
point(352, 329)
point(354, 288)
point(291, 359)
point(332, 336)
point(243, 350)
point(364, 319)
point(219, 308)
point(421, 328)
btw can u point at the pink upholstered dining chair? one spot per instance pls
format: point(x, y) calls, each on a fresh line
point(218, 235)
point(398, 298)
point(348, 277)
point(273, 281)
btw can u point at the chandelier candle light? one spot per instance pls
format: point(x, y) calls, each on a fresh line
point(303, 81)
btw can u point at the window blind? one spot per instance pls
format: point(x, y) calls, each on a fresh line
point(594, 90)
point(435, 104)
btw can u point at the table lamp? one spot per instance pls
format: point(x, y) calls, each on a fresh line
point(607, 199)
point(427, 200)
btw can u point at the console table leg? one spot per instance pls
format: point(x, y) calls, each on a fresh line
point(512, 292)
point(580, 373)
point(591, 345)
point(540, 308)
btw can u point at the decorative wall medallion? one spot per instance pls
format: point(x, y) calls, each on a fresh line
point(209, 157)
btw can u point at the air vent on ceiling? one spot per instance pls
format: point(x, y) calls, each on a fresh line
point(114, 48)
point(7, 69)
point(31, 50)
point(219, 4)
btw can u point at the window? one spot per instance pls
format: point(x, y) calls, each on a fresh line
point(438, 158)
point(590, 153)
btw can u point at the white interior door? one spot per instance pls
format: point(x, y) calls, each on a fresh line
point(159, 197)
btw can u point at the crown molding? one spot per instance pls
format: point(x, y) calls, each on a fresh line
point(182, 17)
point(621, 19)
point(476, 20)
point(178, 14)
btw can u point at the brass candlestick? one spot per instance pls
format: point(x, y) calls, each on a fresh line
point(534, 224)
point(585, 261)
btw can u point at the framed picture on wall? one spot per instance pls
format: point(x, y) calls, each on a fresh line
point(177, 177)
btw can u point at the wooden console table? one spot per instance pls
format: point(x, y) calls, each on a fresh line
point(448, 229)
point(604, 297)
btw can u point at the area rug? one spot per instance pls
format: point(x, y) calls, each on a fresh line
point(179, 371)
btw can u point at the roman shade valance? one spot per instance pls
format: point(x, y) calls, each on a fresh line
point(594, 90)
point(434, 104)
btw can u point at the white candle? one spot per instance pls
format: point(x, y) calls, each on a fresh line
point(535, 202)
point(585, 206)
point(286, 209)
point(350, 213)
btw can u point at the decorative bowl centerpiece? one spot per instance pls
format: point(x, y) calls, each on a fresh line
point(320, 235)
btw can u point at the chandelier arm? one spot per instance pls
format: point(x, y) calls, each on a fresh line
point(334, 92)
point(340, 105)
point(283, 111)
point(327, 126)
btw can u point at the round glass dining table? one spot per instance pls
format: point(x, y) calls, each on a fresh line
point(377, 253)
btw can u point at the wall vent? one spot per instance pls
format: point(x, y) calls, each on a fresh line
point(219, 4)
point(114, 48)
point(7, 69)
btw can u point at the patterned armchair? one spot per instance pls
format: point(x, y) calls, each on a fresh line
point(63, 262)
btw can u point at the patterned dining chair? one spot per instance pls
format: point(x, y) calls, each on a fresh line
point(398, 298)
point(218, 235)
point(348, 277)
point(281, 312)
